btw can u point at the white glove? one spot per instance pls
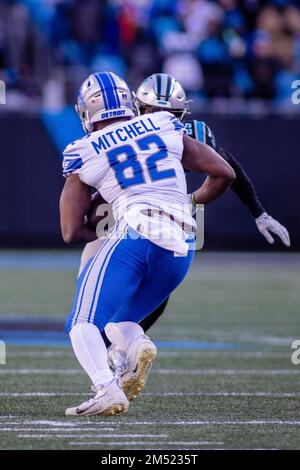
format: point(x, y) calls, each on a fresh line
point(266, 224)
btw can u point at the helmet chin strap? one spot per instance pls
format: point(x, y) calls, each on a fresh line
point(136, 104)
point(88, 126)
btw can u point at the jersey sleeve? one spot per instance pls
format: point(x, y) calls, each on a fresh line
point(72, 159)
point(178, 126)
point(170, 123)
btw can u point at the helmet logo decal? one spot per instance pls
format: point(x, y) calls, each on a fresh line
point(163, 86)
point(103, 95)
point(109, 90)
point(158, 85)
point(169, 83)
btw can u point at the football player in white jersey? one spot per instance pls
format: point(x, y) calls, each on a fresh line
point(135, 163)
point(162, 91)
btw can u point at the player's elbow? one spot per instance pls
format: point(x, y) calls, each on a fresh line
point(69, 235)
point(226, 173)
point(229, 175)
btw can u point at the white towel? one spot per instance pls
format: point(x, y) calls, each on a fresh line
point(159, 229)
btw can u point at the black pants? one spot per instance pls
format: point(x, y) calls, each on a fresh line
point(151, 319)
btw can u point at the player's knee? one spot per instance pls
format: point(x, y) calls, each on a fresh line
point(72, 321)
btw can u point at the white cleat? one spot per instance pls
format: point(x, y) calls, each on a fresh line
point(109, 400)
point(117, 361)
point(140, 357)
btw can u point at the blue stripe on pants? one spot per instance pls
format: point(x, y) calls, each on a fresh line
point(88, 278)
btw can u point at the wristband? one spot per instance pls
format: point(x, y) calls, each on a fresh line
point(194, 202)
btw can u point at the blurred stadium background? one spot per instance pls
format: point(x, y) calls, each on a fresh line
point(225, 339)
point(237, 59)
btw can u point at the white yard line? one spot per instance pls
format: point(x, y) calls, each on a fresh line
point(35, 371)
point(223, 354)
point(295, 371)
point(41, 354)
point(164, 353)
point(94, 436)
point(43, 394)
point(138, 443)
point(227, 371)
point(52, 430)
point(205, 423)
point(73, 426)
point(223, 394)
point(158, 394)
point(57, 423)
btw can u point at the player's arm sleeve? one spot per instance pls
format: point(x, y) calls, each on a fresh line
point(242, 185)
point(72, 160)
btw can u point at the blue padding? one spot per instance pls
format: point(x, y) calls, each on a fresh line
point(63, 127)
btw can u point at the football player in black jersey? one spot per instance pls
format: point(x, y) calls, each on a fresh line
point(162, 91)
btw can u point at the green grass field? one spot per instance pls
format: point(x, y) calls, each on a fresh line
point(223, 378)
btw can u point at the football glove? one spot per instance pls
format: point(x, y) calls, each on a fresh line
point(267, 226)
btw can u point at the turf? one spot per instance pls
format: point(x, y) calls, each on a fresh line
point(235, 388)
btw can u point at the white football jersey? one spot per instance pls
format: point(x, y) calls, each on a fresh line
point(136, 162)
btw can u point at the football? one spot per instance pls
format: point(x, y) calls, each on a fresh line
point(93, 216)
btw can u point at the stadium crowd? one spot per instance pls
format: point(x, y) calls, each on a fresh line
point(215, 48)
